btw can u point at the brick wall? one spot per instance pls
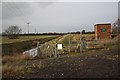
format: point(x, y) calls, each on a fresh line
point(102, 31)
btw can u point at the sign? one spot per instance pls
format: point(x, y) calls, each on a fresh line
point(48, 46)
point(103, 30)
point(59, 46)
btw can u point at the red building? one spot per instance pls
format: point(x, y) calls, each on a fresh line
point(102, 31)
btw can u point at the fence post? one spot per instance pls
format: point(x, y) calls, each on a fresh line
point(69, 42)
point(38, 48)
point(80, 42)
point(55, 55)
point(110, 39)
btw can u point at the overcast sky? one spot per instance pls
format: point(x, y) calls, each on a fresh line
point(58, 16)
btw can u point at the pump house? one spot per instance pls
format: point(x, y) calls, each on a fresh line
point(102, 31)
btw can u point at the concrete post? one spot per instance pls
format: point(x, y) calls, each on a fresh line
point(38, 49)
point(55, 55)
point(81, 42)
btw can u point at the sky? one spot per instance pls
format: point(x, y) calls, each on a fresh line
point(57, 16)
point(119, 10)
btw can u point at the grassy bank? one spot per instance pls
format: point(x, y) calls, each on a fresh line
point(6, 40)
point(16, 47)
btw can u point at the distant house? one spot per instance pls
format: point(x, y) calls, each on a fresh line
point(102, 31)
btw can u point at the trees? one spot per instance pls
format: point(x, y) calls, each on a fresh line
point(83, 31)
point(13, 31)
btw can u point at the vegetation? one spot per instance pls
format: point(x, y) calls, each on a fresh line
point(12, 32)
point(17, 46)
point(75, 37)
point(22, 65)
point(17, 65)
point(6, 40)
point(83, 31)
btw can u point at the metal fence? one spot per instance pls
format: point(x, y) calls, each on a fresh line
point(49, 50)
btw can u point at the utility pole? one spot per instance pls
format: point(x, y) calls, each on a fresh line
point(28, 28)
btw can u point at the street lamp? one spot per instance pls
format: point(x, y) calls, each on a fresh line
point(28, 28)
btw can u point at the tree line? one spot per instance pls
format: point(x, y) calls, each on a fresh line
point(14, 31)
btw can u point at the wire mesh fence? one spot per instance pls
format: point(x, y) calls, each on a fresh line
point(72, 43)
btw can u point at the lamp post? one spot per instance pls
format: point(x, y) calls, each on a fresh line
point(28, 28)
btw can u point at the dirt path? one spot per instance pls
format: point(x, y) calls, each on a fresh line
point(101, 63)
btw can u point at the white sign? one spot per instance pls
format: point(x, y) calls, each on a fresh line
point(48, 46)
point(59, 46)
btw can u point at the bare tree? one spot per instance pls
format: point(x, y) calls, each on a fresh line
point(13, 31)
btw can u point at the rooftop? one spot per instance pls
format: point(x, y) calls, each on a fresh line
point(103, 24)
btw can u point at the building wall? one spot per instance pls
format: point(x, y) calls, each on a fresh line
point(102, 31)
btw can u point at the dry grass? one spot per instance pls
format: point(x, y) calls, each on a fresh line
point(10, 69)
point(5, 39)
point(10, 65)
point(18, 65)
point(14, 58)
point(13, 70)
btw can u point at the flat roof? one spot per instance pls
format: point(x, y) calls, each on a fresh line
point(103, 24)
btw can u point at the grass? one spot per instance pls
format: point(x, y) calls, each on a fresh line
point(14, 58)
point(0, 39)
point(10, 69)
point(65, 41)
point(5, 39)
point(11, 47)
point(75, 37)
point(10, 64)
point(17, 65)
